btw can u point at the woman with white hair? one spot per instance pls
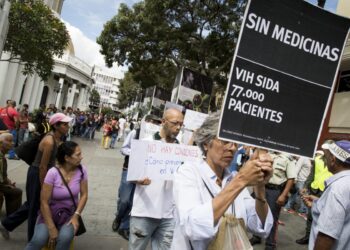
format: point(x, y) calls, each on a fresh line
point(206, 190)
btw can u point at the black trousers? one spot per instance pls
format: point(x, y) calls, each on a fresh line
point(12, 197)
point(271, 198)
point(29, 209)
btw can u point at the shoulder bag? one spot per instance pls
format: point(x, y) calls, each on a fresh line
point(81, 228)
point(232, 233)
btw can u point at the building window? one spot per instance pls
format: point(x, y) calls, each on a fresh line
point(344, 82)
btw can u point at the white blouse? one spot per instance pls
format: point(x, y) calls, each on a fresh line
point(194, 211)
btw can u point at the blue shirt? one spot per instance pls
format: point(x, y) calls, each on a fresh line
point(237, 159)
point(331, 212)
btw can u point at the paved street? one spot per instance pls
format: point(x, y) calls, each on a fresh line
point(104, 169)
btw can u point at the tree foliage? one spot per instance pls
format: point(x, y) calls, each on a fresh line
point(94, 98)
point(199, 34)
point(107, 111)
point(128, 90)
point(35, 35)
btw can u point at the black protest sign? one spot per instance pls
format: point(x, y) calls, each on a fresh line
point(282, 75)
point(195, 91)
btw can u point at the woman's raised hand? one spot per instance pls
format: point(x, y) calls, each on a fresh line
point(257, 170)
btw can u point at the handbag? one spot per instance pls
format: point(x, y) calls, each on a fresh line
point(81, 227)
point(61, 215)
point(232, 233)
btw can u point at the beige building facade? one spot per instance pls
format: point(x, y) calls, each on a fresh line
point(337, 123)
point(70, 82)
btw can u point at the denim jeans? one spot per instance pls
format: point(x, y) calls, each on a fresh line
point(124, 201)
point(87, 133)
point(159, 231)
point(70, 133)
point(21, 134)
point(114, 138)
point(296, 199)
point(12, 153)
point(41, 236)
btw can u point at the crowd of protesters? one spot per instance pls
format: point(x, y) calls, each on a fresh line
point(232, 184)
point(252, 184)
point(22, 124)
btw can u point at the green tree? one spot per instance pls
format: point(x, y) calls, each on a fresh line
point(94, 98)
point(107, 111)
point(35, 35)
point(199, 34)
point(128, 90)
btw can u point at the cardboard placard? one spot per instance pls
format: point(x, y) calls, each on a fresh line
point(282, 76)
point(158, 160)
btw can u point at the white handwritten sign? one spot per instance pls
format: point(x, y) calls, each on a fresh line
point(193, 120)
point(158, 160)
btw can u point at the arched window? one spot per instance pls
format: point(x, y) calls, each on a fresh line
point(44, 95)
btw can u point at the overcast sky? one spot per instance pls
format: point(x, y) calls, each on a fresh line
point(85, 20)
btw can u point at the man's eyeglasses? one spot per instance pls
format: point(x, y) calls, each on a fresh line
point(176, 124)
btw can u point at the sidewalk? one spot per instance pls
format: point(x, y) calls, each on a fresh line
point(104, 169)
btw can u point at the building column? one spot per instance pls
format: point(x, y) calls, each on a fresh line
point(27, 95)
point(40, 93)
point(10, 81)
point(71, 95)
point(58, 98)
point(19, 82)
point(86, 98)
point(34, 93)
point(81, 97)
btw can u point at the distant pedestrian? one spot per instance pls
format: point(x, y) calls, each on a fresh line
point(106, 134)
point(10, 117)
point(23, 124)
point(303, 168)
point(71, 114)
point(121, 123)
point(114, 134)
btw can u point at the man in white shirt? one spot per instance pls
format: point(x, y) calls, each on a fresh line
point(71, 123)
point(153, 205)
point(121, 123)
point(303, 167)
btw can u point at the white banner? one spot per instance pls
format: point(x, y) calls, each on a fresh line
point(158, 160)
point(193, 120)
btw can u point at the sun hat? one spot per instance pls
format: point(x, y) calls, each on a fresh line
point(59, 117)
